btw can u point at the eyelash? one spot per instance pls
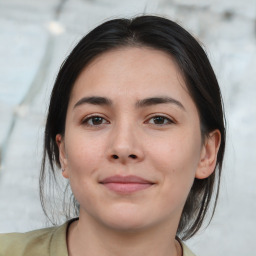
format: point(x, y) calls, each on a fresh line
point(167, 121)
point(90, 118)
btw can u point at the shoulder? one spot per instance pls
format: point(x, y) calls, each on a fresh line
point(25, 243)
point(47, 241)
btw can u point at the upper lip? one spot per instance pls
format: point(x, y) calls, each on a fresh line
point(125, 179)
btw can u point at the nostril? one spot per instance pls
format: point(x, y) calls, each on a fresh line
point(117, 157)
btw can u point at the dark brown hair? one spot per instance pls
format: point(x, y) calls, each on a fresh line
point(165, 35)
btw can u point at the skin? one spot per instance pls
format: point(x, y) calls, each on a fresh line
point(131, 139)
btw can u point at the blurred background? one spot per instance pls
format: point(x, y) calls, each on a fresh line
point(36, 36)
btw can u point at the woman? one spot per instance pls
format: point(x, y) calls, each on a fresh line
point(136, 124)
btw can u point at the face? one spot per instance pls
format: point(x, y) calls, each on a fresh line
point(132, 145)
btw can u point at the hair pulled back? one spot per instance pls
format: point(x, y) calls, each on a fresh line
point(165, 35)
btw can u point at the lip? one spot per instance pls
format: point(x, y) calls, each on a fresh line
point(126, 184)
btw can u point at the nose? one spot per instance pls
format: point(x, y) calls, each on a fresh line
point(125, 145)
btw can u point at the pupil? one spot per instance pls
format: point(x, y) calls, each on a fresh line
point(159, 120)
point(97, 120)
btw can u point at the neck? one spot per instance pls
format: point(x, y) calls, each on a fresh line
point(88, 238)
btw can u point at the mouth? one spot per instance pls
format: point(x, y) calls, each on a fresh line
point(126, 184)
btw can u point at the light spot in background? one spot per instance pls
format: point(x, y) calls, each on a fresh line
point(22, 110)
point(55, 28)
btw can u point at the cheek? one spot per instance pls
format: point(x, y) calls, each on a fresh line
point(177, 159)
point(177, 150)
point(83, 159)
point(83, 154)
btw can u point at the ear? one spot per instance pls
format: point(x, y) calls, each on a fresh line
point(62, 155)
point(209, 154)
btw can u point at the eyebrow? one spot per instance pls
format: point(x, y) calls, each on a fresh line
point(94, 100)
point(103, 101)
point(158, 100)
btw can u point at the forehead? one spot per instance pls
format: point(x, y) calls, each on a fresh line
point(131, 71)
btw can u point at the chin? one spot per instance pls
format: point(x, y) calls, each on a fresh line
point(127, 221)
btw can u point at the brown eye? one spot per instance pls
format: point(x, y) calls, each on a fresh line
point(95, 121)
point(160, 120)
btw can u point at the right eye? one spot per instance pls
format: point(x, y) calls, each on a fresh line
point(94, 121)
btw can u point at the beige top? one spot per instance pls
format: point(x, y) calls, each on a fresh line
point(43, 242)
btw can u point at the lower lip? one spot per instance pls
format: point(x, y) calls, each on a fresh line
point(127, 188)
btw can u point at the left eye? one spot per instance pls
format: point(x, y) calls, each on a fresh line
point(95, 121)
point(160, 120)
